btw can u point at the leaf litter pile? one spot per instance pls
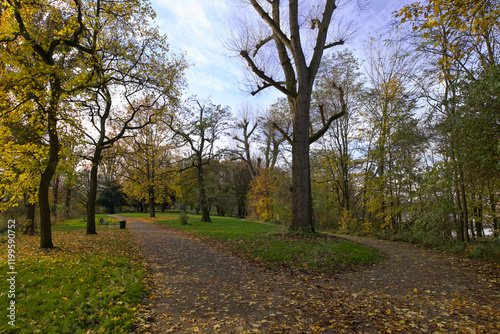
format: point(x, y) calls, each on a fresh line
point(196, 287)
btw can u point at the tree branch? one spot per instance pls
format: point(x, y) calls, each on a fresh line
point(321, 38)
point(340, 42)
point(263, 76)
point(283, 133)
point(264, 86)
point(261, 44)
point(342, 112)
point(272, 24)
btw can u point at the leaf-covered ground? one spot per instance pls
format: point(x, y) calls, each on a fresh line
point(86, 284)
point(197, 288)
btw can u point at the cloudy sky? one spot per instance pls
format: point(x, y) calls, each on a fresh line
point(200, 28)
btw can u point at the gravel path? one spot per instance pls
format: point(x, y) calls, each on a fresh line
point(200, 289)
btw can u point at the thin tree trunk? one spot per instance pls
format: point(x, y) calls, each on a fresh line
point(463, 230)
point(152, 212)
point(30, 216)
point(56, 196)
point(68, 201)
point(463, 197)
point(205, 214)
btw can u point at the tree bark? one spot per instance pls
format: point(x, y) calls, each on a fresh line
point(301, 177)
point(205, 214)
point(464, 206)
point(56, 196)
point(92, 194)
point(151, 191)
point(68, 201)
point(48, 173)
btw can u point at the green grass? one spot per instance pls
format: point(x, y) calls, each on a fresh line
point(174, 213)
point(272, 246)
point(86, 284)
point(80, 223)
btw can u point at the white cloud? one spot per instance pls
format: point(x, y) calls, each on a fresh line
point(199, 28)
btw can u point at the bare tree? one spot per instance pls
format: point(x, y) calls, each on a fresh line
point(284, 50)
point(201, 124)
point(245, 126)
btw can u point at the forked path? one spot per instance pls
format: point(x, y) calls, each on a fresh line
point(201, 289)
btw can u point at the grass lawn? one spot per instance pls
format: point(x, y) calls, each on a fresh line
point(270, 245)
point(86, 284)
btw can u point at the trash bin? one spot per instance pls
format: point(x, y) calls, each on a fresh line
point(122, 223)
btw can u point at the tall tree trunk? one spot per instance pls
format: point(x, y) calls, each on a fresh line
point(56, 196)
point(43, 191)
point(92, 194)
point(345, 184)
point(301, 178)
point(68, 201)
point(50, 169)
point(205, 214)
point(151, 192)
point(463, 234)
point(463, 197)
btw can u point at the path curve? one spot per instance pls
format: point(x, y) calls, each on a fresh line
point(199, 289)
point(436, 289)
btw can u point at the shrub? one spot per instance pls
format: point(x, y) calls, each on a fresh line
point(184, 218)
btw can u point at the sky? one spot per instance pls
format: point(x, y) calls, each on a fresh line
point(201, 28)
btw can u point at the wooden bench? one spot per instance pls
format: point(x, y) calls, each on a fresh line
point(101, 220)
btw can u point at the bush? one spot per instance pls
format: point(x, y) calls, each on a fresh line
point(486, 249)
point(184, 218)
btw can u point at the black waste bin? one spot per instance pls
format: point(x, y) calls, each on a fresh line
point(122, 223)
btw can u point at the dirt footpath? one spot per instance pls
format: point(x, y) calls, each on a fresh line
point(200, 289)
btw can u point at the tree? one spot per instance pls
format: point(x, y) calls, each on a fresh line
point(240, 177)
point(132, 76)
point(199, 126)
point(111, 196)
point(261, 195)
point(282, 37)
point(461, 37)
point(147, 164)
point(272, 140)
point(246, 126)
point(335, 155)
point(42, 43)
point(21, 161)
point(389, 108)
